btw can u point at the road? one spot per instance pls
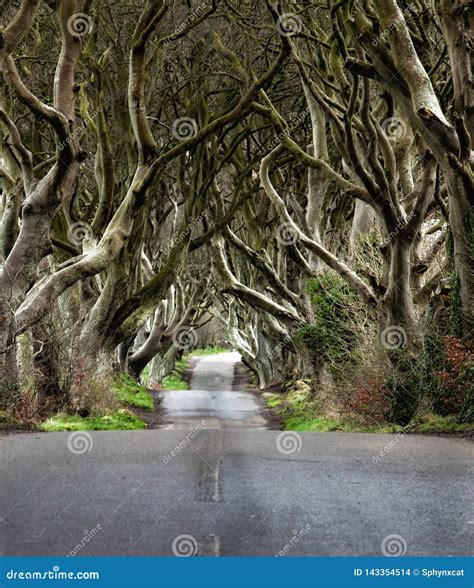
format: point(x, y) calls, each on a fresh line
point(212, 398)
point(213, 491)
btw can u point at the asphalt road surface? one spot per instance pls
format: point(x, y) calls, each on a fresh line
point(210, 491)
point(212, 398)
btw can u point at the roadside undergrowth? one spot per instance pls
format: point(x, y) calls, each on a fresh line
point(299, 411)
point(177, 380)
point(121, 419)
point(113, 402)
point(117, 414)
point(211, 350)
point(180, 376)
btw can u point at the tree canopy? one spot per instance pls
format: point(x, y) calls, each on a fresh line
point(298, 173)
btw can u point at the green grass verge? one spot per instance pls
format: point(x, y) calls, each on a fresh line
point(214, 350)
point(175, 380)
point(298, 417)
point(434, 423)
point(118, 420)
point(131, 393)
point(274, 400)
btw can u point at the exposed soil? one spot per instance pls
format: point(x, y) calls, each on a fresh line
point(152, 418)
point(10, 425)
point(15, 430)
point(466, 435)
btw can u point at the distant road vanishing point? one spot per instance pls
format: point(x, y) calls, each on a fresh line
point(213, 481)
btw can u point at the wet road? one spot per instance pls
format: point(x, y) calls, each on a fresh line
point(234, 492)
point(211, 400)
point(212, 485)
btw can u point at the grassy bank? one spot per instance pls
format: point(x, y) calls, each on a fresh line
point(213, 350)
point(122, 407)
point(132, 394)
point(298, 412)
point(178, 379)
point(121, 419)
point(126, 395)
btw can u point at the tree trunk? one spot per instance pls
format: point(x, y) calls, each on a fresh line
point(461, 220)
point(46, 354)
point(398, 298)
point(9, 385)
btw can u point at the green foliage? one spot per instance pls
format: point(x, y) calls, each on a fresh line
point(174, 382)
point(213, 350)
point(326, 424)
point(434, 423)
point(467, 412)
point(274, 400)
point(117, 420)
point(439, 380)
point(448, 377)
point(181, 365)
point(298, 416)
point(131, 393)
point(430, 424)
point(332, 338)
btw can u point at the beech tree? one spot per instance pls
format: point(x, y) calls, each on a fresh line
point(165, 164)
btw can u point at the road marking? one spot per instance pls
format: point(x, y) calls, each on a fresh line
point(212, 547)
point(216, 545)
point(209, 483)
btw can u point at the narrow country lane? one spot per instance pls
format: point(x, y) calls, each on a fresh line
point(229, 487)
point(211, 401)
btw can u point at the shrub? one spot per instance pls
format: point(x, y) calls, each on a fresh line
point(335, 337)
point(454, 393)
point(369, 399)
